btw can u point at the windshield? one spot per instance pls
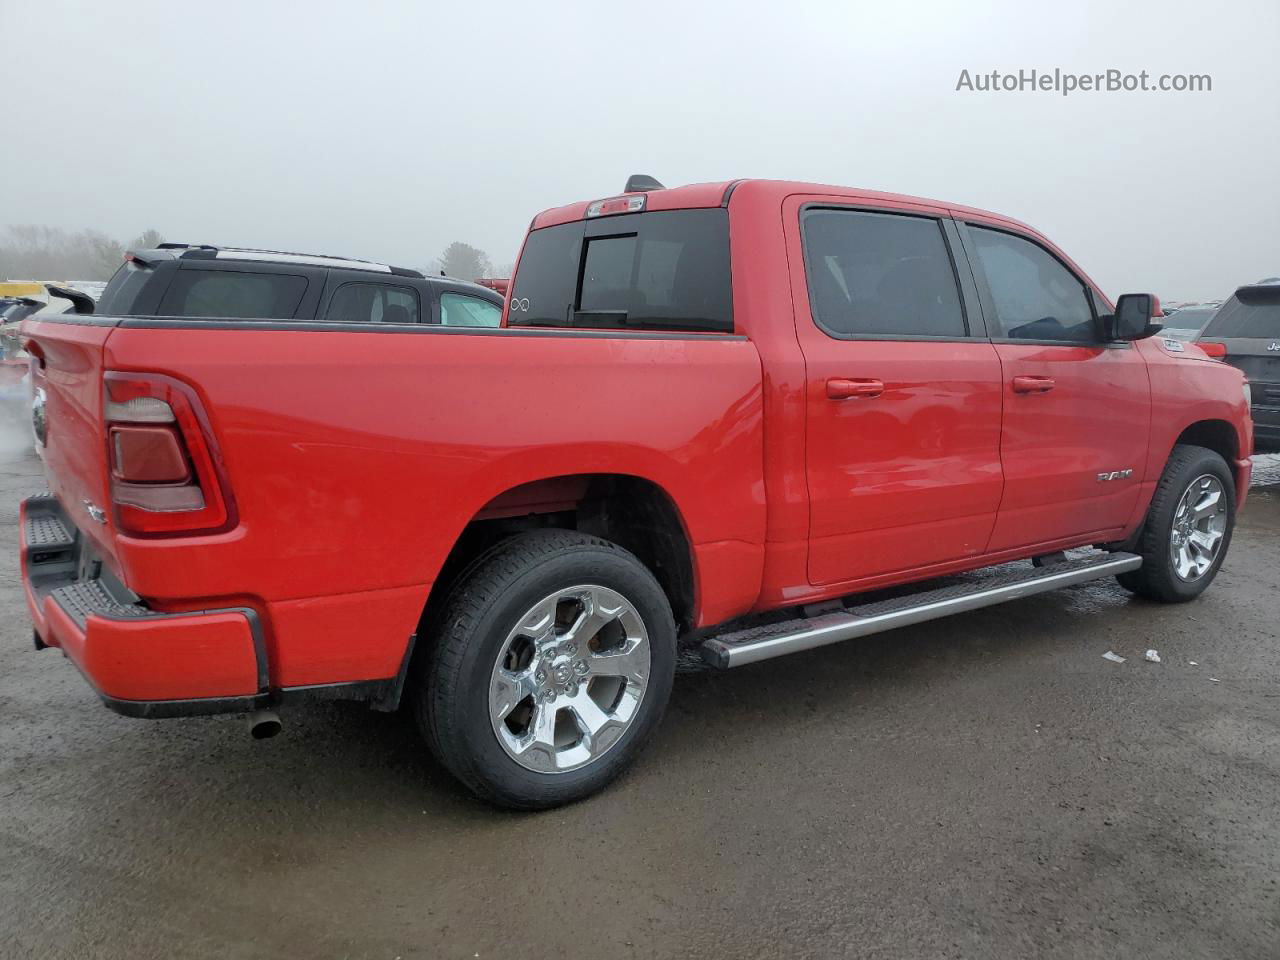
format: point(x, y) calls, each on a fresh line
point(646, 271)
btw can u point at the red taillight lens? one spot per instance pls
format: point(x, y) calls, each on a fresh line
point(1215, 350)
point(148, 455)
point(166, 476)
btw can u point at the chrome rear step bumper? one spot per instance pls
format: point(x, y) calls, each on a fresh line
point(776, 639)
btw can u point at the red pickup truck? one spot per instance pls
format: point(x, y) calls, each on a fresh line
point(717, 415)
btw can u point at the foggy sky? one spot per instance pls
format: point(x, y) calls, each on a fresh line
point(387, 130)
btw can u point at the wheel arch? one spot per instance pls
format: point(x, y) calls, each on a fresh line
point(635, 512)
point(1216, 435)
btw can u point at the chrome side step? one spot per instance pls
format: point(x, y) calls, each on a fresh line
point(775, 639)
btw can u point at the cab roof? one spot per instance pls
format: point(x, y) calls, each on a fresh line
point(718, 194)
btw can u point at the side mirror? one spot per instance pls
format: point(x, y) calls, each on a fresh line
point(1134, 318)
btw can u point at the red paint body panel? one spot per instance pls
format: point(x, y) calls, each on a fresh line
point(1095, 419)
point(184, 658)
point(356, 459)
point(341, 638)
point(1187, 388)
point(75, 456)
point(174, 658)
point(903, 478)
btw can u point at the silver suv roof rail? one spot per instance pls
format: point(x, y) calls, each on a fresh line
point(282, 256)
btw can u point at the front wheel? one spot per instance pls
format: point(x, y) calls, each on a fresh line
point(1188, 527)
point(552, 666)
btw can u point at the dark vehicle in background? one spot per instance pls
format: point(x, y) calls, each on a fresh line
point(1185, 323)
point(1245, 332)
point(13, 359)
point(232, 283)
point(13, 309)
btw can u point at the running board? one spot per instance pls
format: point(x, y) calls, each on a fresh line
point(775, 639)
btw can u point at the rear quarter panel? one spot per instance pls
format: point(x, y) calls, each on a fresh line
point(67, 367)
point(357, 458)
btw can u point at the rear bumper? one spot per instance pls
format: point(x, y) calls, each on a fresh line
point(145, 663)
point(142, 663)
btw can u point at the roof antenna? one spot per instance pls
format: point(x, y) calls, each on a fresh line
point(641, 183)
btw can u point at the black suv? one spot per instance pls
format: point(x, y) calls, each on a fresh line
point(1248, 326)
point(182, 280)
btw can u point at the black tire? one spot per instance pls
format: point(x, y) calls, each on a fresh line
point(451, 704)
point(1157, 578)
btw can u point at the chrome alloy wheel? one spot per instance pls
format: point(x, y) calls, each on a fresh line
point(1199, 526)
point(569, 679)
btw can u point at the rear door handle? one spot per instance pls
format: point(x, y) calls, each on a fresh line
point(1032, 384)
point(839, 388)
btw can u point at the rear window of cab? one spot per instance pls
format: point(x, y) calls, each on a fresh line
point(666, 270)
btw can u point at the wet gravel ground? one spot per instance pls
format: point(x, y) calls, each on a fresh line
point(983, 786)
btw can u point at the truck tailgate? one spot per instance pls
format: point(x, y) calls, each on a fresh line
point(67, 381)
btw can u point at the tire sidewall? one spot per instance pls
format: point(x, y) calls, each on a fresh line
point(469, 704)
point(1199, 462)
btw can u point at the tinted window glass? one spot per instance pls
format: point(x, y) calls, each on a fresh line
point(1257, 315)
point(606, 274)
point(227, 293)
point(122, 290)
point(880, 274)
point(1188, 321)
point(373, 303)
point(459, 310)
point(1035, 296)
point(667, 270)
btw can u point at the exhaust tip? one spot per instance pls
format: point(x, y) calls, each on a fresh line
point(264, 724)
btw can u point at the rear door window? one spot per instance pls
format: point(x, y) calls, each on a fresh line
point(460, 310)
point(230, 293)
point(880, 275)
point(373, 303)
point(667, 270)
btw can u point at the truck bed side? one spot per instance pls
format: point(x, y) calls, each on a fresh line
point(357, 457)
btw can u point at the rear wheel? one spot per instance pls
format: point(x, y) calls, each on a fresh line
point(552, 666)
point(1188, 527)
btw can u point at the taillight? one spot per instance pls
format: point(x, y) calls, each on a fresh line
point(166, 476)
point(1215, 351)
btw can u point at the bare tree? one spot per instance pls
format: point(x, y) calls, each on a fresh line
point(107, 254)
point(147, 240)
point(36, 252)
point(465, 262)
